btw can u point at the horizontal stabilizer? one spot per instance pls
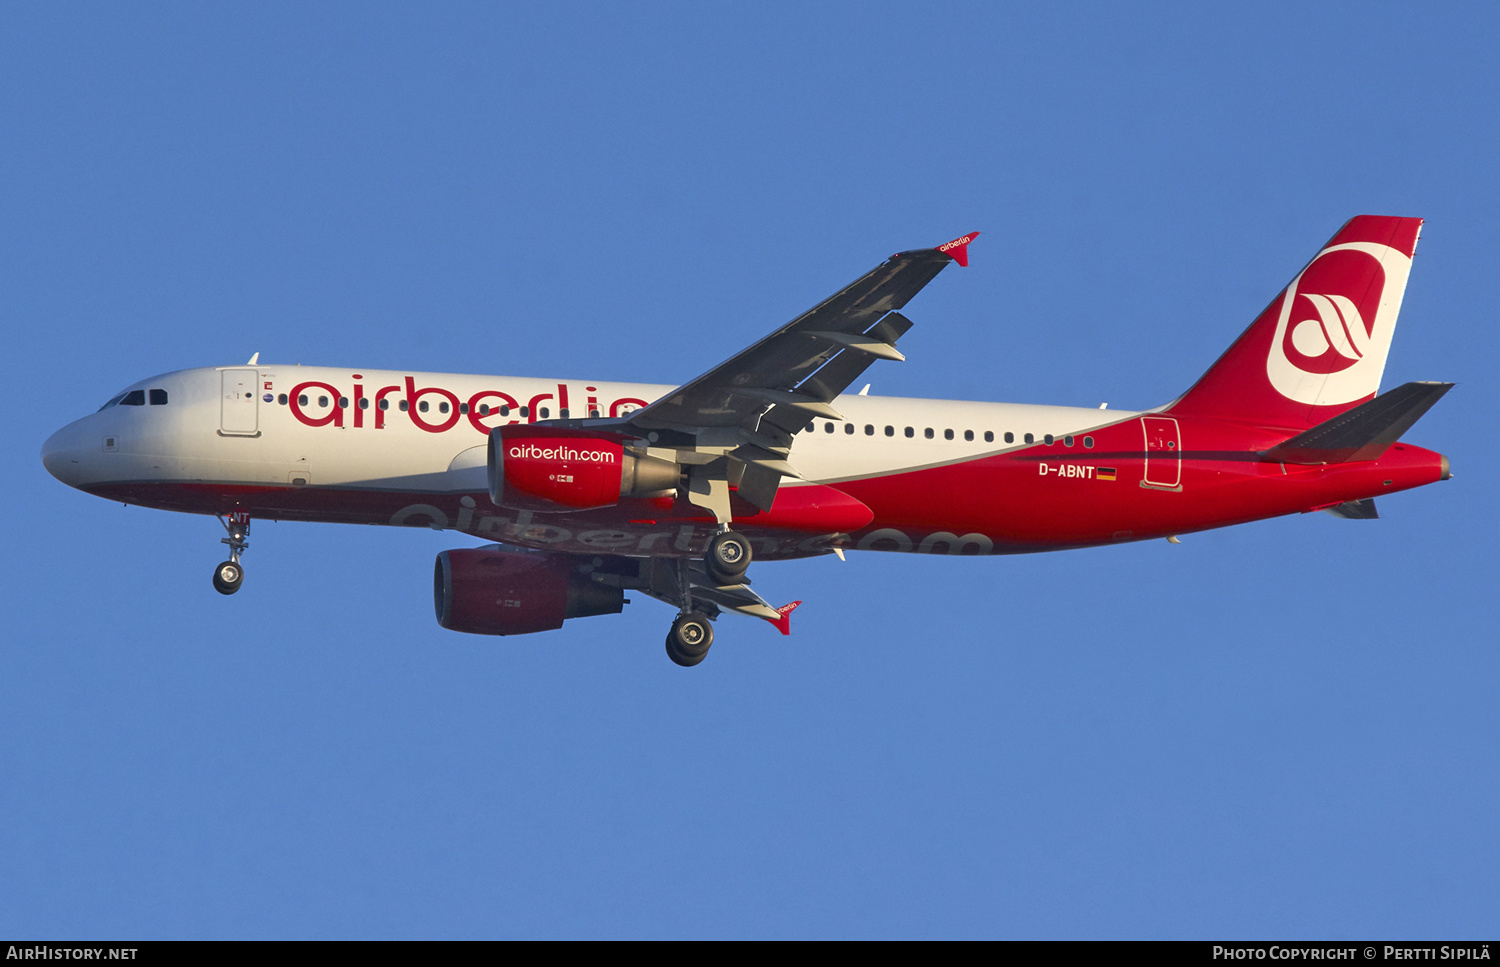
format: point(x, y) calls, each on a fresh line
point(1364, 432)
point(1355, 509)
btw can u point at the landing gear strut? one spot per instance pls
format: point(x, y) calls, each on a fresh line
point(229, 575)
point(692, 633)
point(728, 557)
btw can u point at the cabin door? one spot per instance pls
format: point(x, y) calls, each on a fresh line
point(238, 409)
point(1163, 470)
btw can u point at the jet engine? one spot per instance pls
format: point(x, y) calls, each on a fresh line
point(544, 468)
point(502, 591)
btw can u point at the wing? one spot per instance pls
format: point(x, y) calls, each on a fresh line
point(747, 409)
point(780, 365)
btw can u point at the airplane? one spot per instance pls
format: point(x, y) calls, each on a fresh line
point(588, 489)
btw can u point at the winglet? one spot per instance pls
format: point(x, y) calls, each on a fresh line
point(784, 623)
point(958, 249)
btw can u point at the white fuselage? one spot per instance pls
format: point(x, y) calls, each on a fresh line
point(424, 433)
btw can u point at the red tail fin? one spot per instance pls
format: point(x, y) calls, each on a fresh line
point(1319, 347)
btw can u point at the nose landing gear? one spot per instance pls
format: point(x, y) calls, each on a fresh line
point(229, 575)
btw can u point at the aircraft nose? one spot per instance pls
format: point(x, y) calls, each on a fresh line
point(63, 455)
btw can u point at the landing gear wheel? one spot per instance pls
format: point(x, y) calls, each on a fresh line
point(689, 640)
point(228, 577)
point(728, 557)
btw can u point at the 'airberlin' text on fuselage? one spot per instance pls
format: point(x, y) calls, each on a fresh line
point(483, 410)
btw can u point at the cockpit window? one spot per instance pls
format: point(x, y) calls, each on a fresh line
point(113, 402)
point(158, 397)
point(136, 397)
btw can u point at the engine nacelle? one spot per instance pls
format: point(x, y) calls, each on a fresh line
point(496, 591)
point(543, 468)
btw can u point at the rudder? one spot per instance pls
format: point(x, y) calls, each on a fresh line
point(1320, 346)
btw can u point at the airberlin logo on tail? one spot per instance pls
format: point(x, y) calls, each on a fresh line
point(1335, 324)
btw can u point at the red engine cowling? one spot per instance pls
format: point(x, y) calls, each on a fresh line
point(543, 468)
point(495, 591)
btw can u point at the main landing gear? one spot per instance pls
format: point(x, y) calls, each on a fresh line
point(692, 634)
point(690, 638)
point(229, 575)
point(728, 557)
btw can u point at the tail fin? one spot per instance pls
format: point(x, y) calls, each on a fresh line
point(1320, 346)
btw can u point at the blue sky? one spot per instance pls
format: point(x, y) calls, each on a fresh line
point(1285, 729)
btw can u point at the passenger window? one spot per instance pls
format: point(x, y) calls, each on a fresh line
point(1088, 443)
point(910, 433)
point(1067, 441)
point(443, 407)
point(563, 413)
point(403, 405)
point(302, 399)
point(484, 409)
point(869, 429)
point(927, 433)
point(969, 435)
point(1029, 438)
point(593, 413)
point(989, 436)
point(848, 428)
point(827, 427)
point(504, 410)
point(525, 411)
point(281, 399)
point(384, 404)
point(343, 402)
point(322, 401)
point(1009, 437)
point(422, 406)
point(890, 431)
point(364, 404)
point(1047, 439)
point(463, 407)
point(158, 397)
point(947, 434)
point(136, 397)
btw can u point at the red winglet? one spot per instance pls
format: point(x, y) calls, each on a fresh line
point(958, 249)
point(784, 623)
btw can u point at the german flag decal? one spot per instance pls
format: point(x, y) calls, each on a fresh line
point(1104, 473)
